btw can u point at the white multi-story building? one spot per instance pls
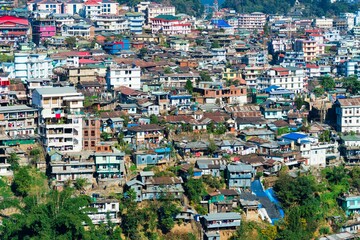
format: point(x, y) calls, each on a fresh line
point(170, 25)
point(250, 74)
point(123, 75)
point(60, 118)
point(32, 66)
point(78, 29)
point(155, 9)
point(324, 23)
point(110, 23)
point(291, 78)
point(106, 210)
point(348, 115)
point(252, 21)
point(180, 45)
point(100, 7)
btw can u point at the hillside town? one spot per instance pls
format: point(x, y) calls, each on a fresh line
point(139, 121)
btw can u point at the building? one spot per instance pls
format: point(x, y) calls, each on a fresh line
point(60, 118)
point(324, 23)
point(290, 78)
point(170, 25)
point(74, 7)
point(110, 23)
point(178, 80)
point(350, 203)
point(109, 164)
point(251, 22)
point(220, 221)
point(14, 29)
point(135, 21)
point(153, 10)
point(70, 169)
point(91, 133)
point(116, 47)
point(239, 175)
point(43, 29)
point(226, 95)
point(18, 120)
point(32, 66)
point(180, 45)
point(348, 115)
point(4, 89)
point(94, 8)
point(106, 210)
point(146, 134)
point(311, 48)
point(78, 30)
point(151, 157)
point(123, 75)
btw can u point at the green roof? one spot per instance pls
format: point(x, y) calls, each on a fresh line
point(168, 17)
point(351, 138)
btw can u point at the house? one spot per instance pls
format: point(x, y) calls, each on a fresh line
point(148, 187)
point(32, 66)
point(236, 146)
point(186, 214)
point(105, 210)
point(147, 134)
point(151, 157)
point(4, 165)
point(252, 21)
point(107, 23)
point(209, 167)
point(42, 29)
point(239, 175)
point(223, 200)
point(170, 25)
point(91, 132)
point(339, 236)
point(350, 203)
point(217, 92)
point(116, 47)
point(18, 120)
point(350, 149)
point(351, 226)
point(94, 8)
point(261, 133)
point(14, 29)
point(70, 168)
point(136, 21)
point(60, 118)
point(109, 165)
point(220, 221)
point(78, 30)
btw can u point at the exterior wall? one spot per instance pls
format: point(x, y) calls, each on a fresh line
point(253, 21)
point(170, 27)
point(348, 118)
point(21, 122)
point(64, 171)
point(123, 75)
point(110, 165)
point(32, 66)
point(104, 209)
point(91, 133)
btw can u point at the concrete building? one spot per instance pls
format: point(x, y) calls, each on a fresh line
point(324, 23)
point(170, 25)
point(311, 48)
point(60, 118)
point(14, 29)
point(153, 10)
point(100, 7)
point(123, 75)
point(348, 115)
point(78, 30)
point(32, 66)
point(109, 165)
point(91, 133)
point(135, 21)
point(42, 29)
point(110, 23)
point(289, 78)
point(106, 210)
point(18, 120)
point(253, 21)
point(4, 89)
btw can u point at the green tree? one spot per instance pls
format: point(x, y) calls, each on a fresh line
point(189, 86)
point(195, 190)
point(166, 215)
point(60, 215)
point(167, 70)
point(351, 84)
point(299, 102)
point(327, 83)
point(14, 161)
point(80, 184)
point(143, 52)
point(70, 42)
point(215, 44)
point(154, 119)
point(105, 136)
point(324, 136)
point(319, 91)
point(205, 76)
point(212, 147)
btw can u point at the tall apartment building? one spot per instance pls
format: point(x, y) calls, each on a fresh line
point(43, 29)
point(110, 23)
point(311, 48)
point(291, 78)
point(252, 21)
point(32, 66)
point(18, 120)
point(60, 118)
point(123, 75)
point(250, 74)
point(91, 133)
point(324, 23)
point(348, 115)
point(136, 21)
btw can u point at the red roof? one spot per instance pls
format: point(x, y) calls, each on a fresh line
point(87, 61)
point(280, 69)
point(83, 53)
point(92, 2)
point(311, 66)
point(17, 20)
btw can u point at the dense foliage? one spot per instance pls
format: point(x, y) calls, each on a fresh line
point(310, 7)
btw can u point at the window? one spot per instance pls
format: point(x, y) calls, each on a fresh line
point(92, 122)
point(93, 133)
point(118, 157)
point(86, 133)
point(86, 144)
point(113, 206)
point(64, 168)
point(93, 143)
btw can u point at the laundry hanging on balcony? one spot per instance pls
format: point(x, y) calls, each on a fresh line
point(58, 114)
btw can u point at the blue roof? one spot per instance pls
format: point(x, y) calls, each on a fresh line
point(294, 136)
point(270, 88)
point(220, 23)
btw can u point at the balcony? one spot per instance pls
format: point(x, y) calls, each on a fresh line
point(223, 224)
